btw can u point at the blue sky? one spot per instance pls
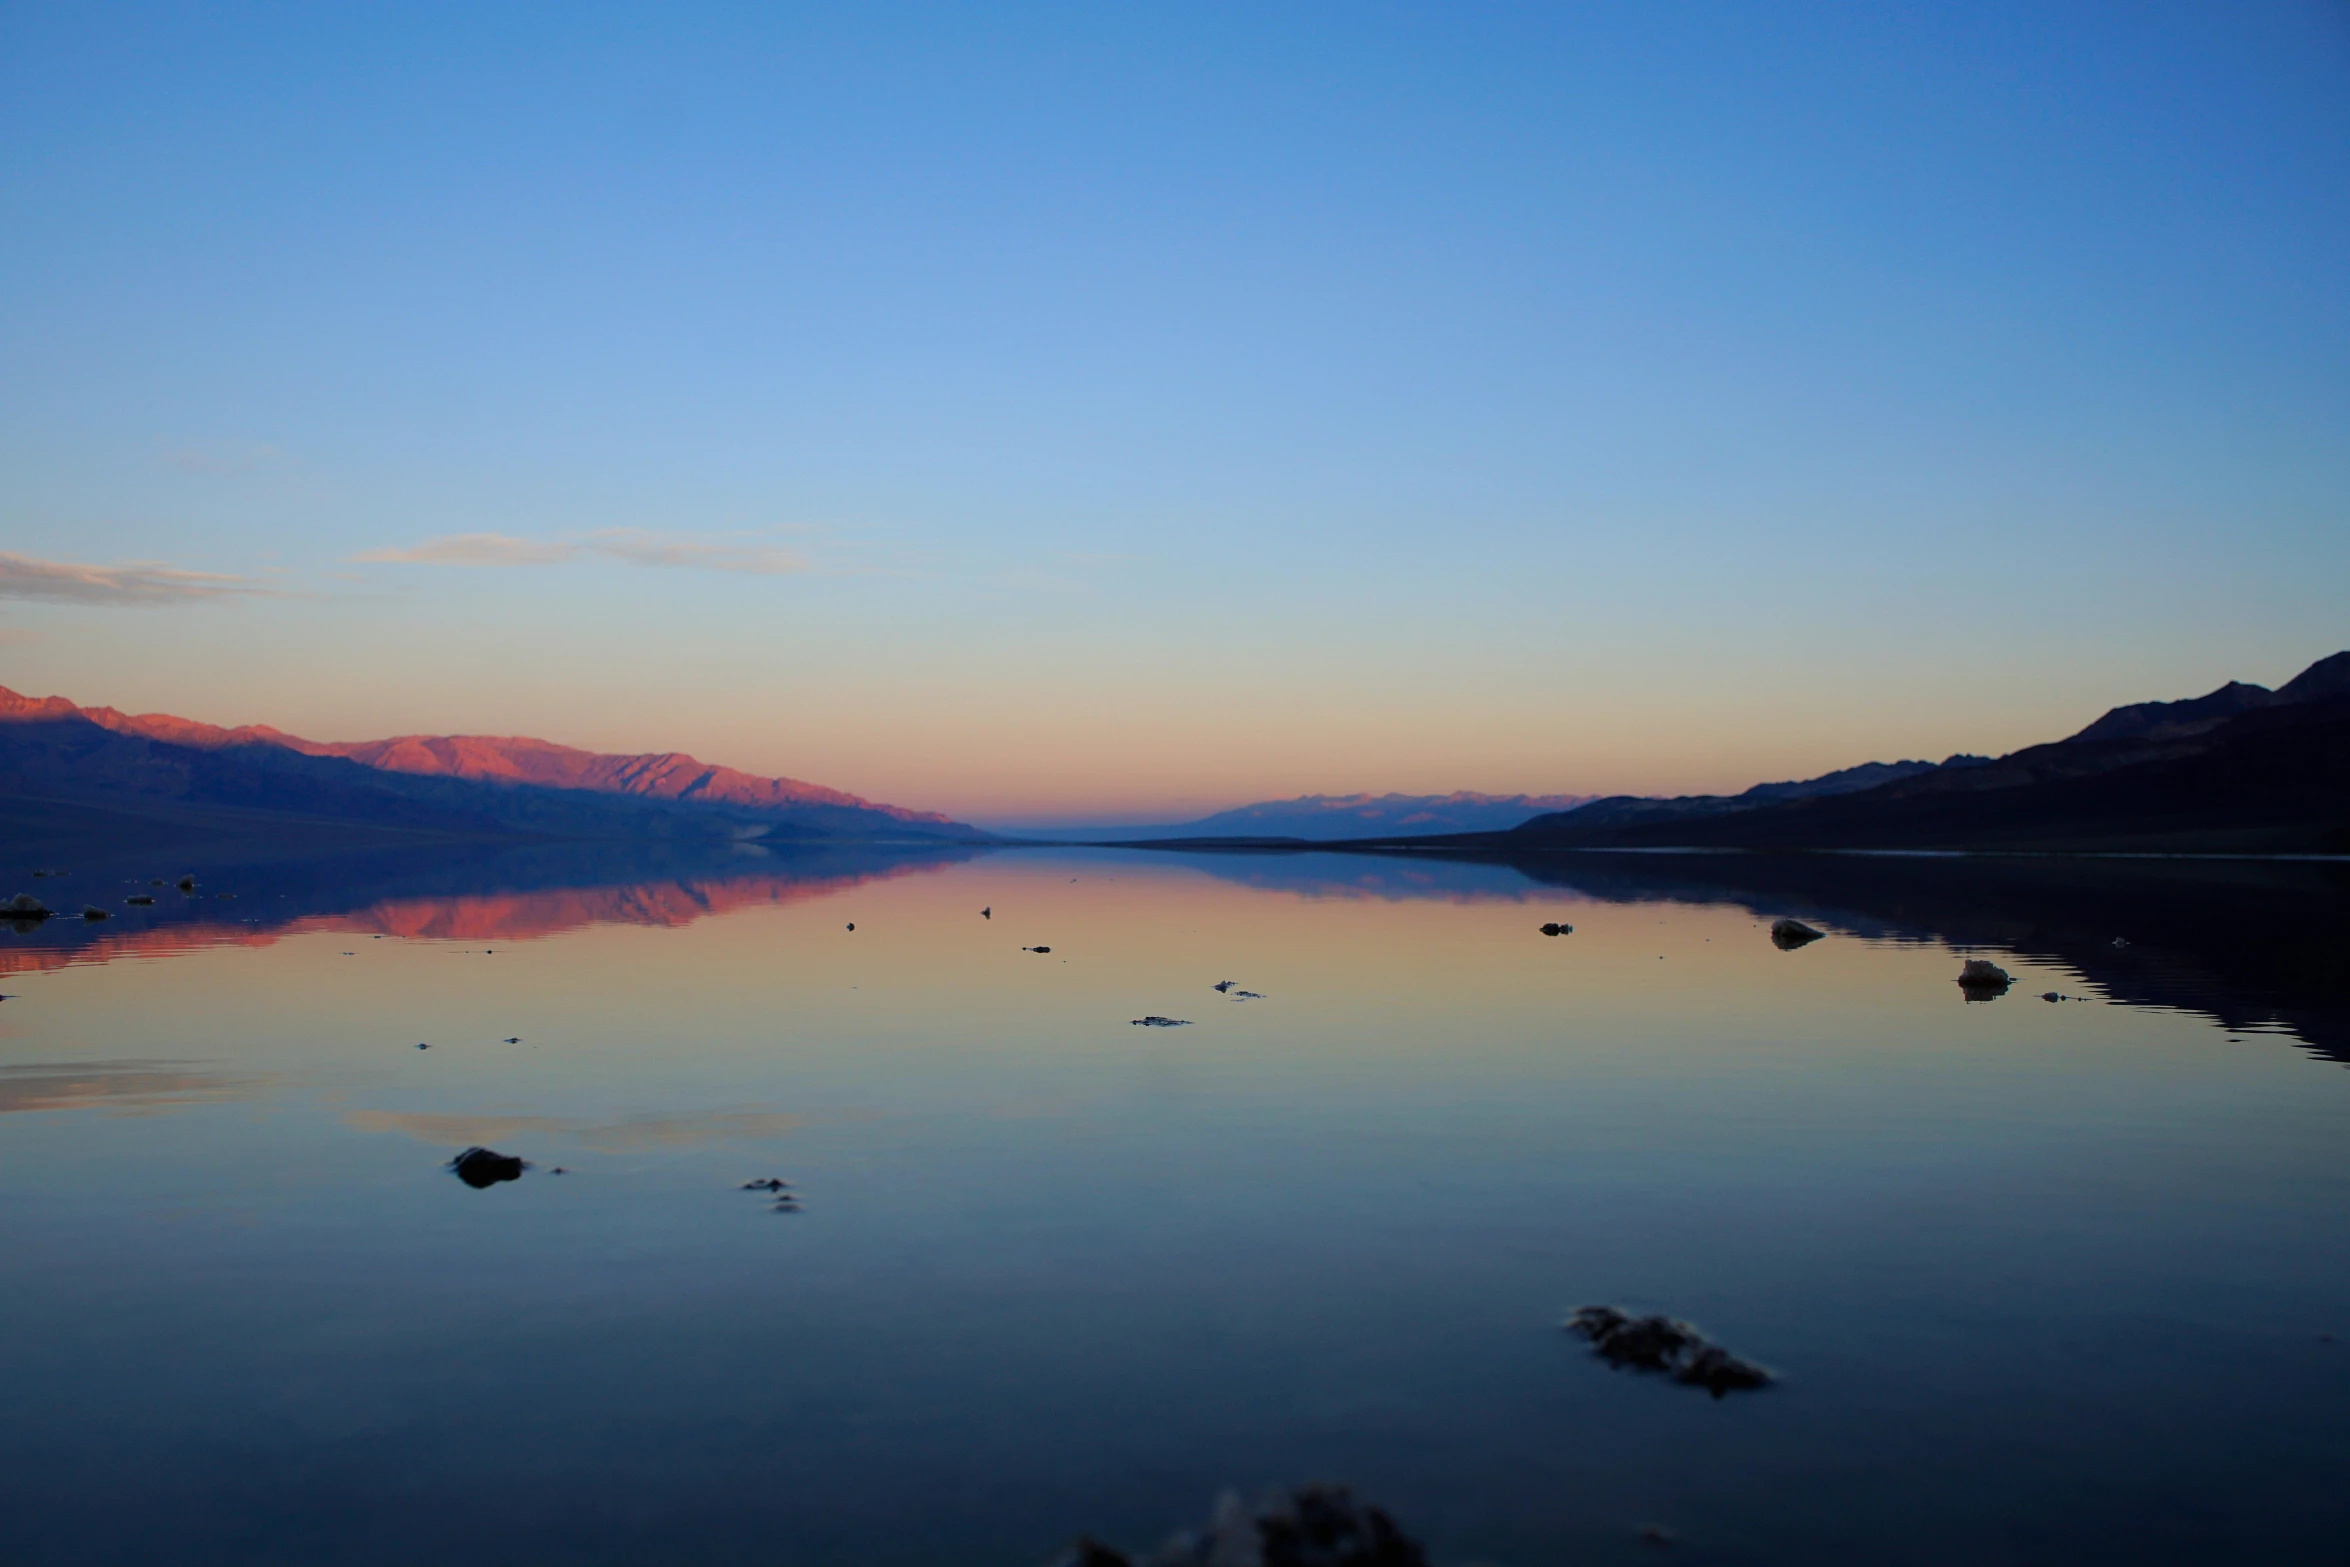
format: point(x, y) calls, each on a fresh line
point(1122, 410)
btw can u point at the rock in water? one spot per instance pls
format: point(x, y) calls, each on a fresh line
point(24, 906)
point(1981, 980)
point(91, 911)
point(1787, 935)
point(1558, 930)
point(480, 1167)
point(1312, 1526)
point(1665, 1344)
point(1156, 1021)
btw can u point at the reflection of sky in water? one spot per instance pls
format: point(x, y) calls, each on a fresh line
point(2046, 1282)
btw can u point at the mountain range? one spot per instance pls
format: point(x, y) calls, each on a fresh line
point(101, 771)
point(1328, 817)
point(2242, 769)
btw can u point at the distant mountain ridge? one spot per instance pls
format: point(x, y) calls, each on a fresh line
point(51, 748)
point(2240, 769)
point(1329, 817)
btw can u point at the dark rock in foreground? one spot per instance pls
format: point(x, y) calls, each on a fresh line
point(1666, 1344)
point(480, 1167)
point(24, 906)
point(1558, 930)
point(1787, 935)
point(1981, 980)
point(1312, 1526)
point(1156, 1021)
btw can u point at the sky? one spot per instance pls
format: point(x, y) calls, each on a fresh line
point(1124, 412)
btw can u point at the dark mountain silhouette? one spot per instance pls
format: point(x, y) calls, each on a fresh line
point(2240, 770)
point(108, 771)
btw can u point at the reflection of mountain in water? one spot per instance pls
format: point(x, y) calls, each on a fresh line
point(1311, 873)
point(2253, 944)
point(455, 893)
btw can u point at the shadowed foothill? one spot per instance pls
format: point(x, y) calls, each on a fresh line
point(1665, 1344)
point(1312, 1526)
point(483, 1167)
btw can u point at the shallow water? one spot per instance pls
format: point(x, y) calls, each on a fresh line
point(2043, 1282)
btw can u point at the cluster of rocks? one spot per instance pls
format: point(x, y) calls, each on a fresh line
point(785, 1200)
point(1665, 1344)
point(1312, 1526)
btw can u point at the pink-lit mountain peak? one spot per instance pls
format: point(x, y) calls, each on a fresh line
point(511, 759)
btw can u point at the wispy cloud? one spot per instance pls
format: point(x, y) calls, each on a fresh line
point(132, 582)
point(633, 546)
point(474, 549)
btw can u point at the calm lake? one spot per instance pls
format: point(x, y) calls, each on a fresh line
point(2041, 1281)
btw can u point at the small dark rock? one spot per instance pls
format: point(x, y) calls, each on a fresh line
point(1787, 935)
point(1558, 930)
point(480, 1167)
point(987, 913)
point(186, 884)
point(1223, 984)
point(1248, 995)
point(1665, 1344)
point(852, 924)
point(24, 906)
point(2050, 995)
point(1156, 1021)
point(142, 900)
point(1983, 980)
point(1036, 949)
point(91, 911)
point(770, 1184)
point(512, 1039)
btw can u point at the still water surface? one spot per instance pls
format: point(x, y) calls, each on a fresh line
point(2044, 1282)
